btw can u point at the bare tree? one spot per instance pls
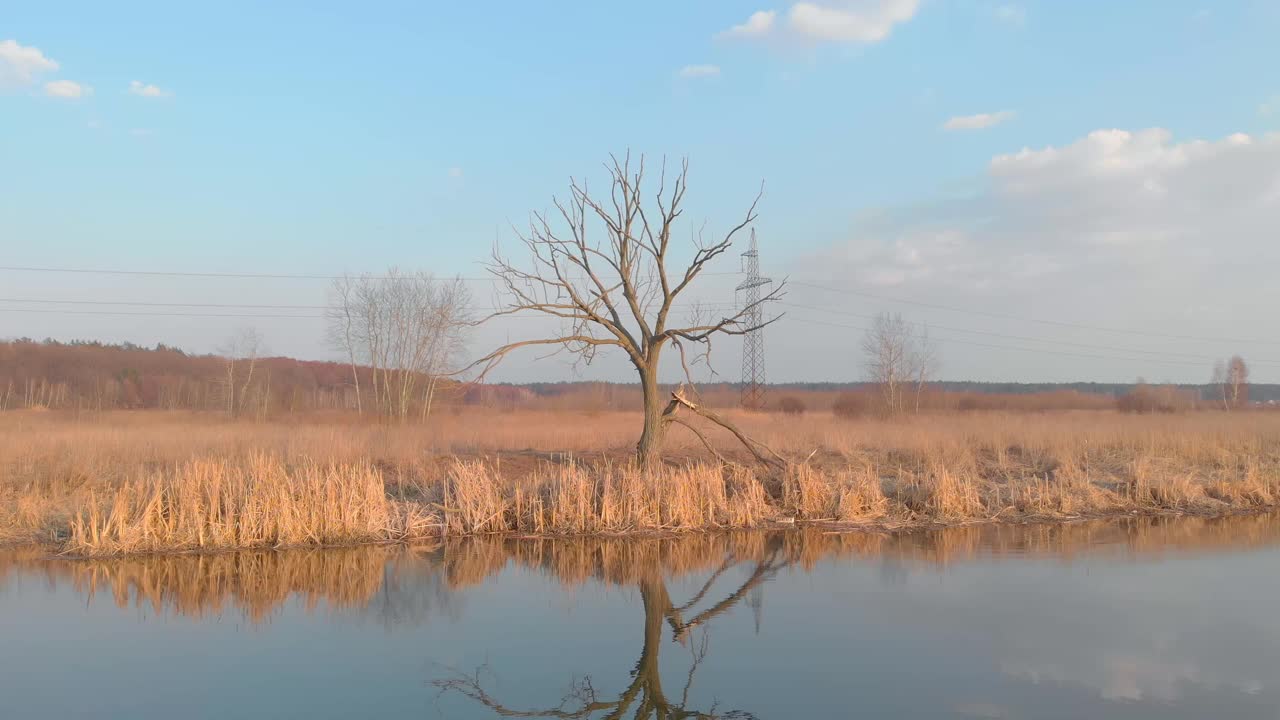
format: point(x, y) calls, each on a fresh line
point(899, 360)
point(645, 696)
point(342, 316)
point(604, 268)
point(1219, 381)
point(1238, 381)
point(240, 353)
point(887, 351)
point(408, 328)
point(925, 361)
point(1231, 378)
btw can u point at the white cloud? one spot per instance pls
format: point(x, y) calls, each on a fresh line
point(66, 89)
point(868, 21)
point(977, 122)
point(137, 87)
point(141, 132)
point(455, 172)
point(759, 24)
point(840, 21)
point(1011, 14)
point(699, 71)
point(21, 65)
point(1119, 228)
point(1146, 161)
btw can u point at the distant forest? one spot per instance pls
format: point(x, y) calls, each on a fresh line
point(1258, 392)
point(94, 375)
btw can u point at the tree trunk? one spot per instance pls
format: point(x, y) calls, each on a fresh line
point(649, 449)
point(657, 605)
point(355, 378)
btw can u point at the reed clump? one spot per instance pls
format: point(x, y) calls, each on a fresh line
point(145, 483)
point(212, 504)
point(574, 499)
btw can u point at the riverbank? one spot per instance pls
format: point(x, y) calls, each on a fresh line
point(118, 485)
point(259, 581)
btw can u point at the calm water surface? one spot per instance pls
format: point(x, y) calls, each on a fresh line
point(1141, 619)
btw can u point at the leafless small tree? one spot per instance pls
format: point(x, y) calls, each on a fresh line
point(240, 356)
point(603, 266)
point(407, 328)
point(1238, 381)
point(1231, 381)
point(886, 348)
point(899, 360)
point(343, 316)
point(1219, 382)
point(926, 358)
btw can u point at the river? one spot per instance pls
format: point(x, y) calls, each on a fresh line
point(1140, 618)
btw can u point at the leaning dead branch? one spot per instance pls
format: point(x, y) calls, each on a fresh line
point(761, 452)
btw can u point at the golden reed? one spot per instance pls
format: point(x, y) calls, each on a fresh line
point(146, 482)
point(404, 583)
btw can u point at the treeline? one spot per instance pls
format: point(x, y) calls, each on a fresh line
point(1258, 392)
point(980, 394)
point(849, 400)
point(91, 375)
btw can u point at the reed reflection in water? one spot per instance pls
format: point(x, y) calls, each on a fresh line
point(676, 621)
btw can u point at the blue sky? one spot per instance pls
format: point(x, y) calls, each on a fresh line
point(292, 137)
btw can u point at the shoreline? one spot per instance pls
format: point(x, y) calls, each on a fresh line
point(160, 484)
point(54, 551)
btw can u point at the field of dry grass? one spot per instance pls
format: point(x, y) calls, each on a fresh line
point(152, 481)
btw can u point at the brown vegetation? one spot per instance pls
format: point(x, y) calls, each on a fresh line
point(1146, 398)
point(791, 405)
point(400, 578)
point(130, 482)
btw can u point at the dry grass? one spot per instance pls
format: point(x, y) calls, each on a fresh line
point(147, 481)
point(216, 504)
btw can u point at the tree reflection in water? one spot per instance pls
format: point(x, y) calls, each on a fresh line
point(644, 696)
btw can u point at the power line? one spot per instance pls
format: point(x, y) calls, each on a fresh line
point(157, 314)
point(169, 273)
point(176, 273)
point(827, 288)
point(163, 304)
point(846, 291)
point(1063, 353)
point(1089, 346)
point(255, 276)
point(1162, 354)
point(230, 306)
point(1002, 316)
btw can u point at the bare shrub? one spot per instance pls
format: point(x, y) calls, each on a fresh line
point(854, 405)
point(791, 405)
point(1146, 398)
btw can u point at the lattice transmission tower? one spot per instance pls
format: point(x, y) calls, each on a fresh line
point(753, 375)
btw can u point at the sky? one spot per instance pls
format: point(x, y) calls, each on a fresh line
point(1059, 191)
